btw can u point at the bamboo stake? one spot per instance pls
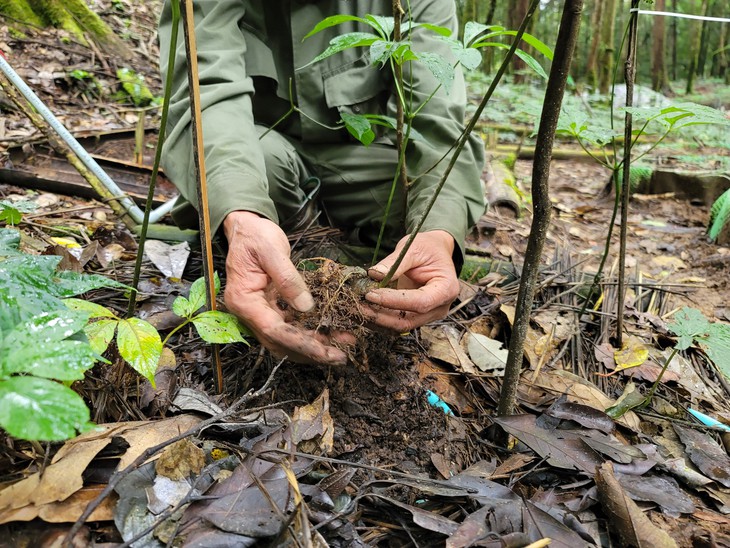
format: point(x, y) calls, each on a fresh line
point(199, 162)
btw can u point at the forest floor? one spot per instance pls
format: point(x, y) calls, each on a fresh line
point(357, 456)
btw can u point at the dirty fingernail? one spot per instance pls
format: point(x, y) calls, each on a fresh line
point(303, 302)
point(373, 297)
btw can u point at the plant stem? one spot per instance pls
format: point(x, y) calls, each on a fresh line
point(559, 71)
point(661, 374)
point(175, 8)
point(630, 76)
point(175, 330)
point(462, 142)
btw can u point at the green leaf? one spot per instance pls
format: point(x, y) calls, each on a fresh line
point(94, 310)
point(46, 327)
point(688, 324)
point(218, 327)
point(9, 215)
point(65, 360)
point(70, 284)
point(140, 345)
point(719, 215)
point(196, 297)
point(100, 333)
point(576, 123)
point(383, 25)
point(468, 57)
point(531, 62)
point(441, 69)
point(530, 39)
point(181, 306)
point(717, 346)
point(359, 127)
point(390, 122)
point(442, 31)
point(333, 21)
point(472, 30)
point(343, 42)
point(9, 240)
point(39, 409)
point(134, 86)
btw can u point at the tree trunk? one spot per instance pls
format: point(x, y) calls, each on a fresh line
point(592, 62)
point(490, 12)
point(606, 53)
point(516, 15)
point(704, 40)
point(559, 71)
point(722, 57)
point(674, 41)
point(74, 16)
point(659, 77)
point(694, 51)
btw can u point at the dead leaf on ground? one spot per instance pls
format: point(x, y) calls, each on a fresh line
point(561, 448)
point(580, 390)
point(487, 354)
point(706, 453)
point(443, 344)
point(625, 518)
point(312, 426)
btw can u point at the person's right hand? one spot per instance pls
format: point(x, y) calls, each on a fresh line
point(258, 269)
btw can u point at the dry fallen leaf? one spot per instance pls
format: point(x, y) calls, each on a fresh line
point(312, 426)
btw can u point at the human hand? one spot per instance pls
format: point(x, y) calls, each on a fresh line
point(427, 284)
point(258, 269)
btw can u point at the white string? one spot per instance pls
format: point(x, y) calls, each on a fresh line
point(681, 15)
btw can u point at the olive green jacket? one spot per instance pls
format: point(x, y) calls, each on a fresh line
point(251, 54)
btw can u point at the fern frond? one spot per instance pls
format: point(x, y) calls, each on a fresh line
point(719, 215)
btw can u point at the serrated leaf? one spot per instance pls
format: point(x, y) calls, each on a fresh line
point(217, 327)
point(441, 69)
point(94, 310)
point(9, 240)
point(65, 360)
point(140, 346)
point(100, 333)
point(9, 215)
point(717, 346)
point(359, 127)
point(332, 21)
point(343, 42)
point(70, 284)
point(468, 57)
point(688, 324)
point(38, 409)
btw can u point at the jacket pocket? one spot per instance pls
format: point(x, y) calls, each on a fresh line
point(357, 87)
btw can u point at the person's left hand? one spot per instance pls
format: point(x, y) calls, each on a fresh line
point(427, 284)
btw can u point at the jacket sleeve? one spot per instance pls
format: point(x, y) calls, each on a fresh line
point(235, 168)
point(441, 121)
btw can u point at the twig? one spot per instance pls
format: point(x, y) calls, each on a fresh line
point(630, 76)
point(194, 431)
point(565, 45)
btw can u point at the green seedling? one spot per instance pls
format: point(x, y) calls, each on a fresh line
point(139, 343)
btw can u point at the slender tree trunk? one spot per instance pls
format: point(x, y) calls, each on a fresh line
point(490, 12)
point(674, 41)
point(694, 50)
point(722, 56)
point(659, 77)
point(704, 40)
point(517, 13)
point(592, 62)
point(564, 48)
point(606, 50)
